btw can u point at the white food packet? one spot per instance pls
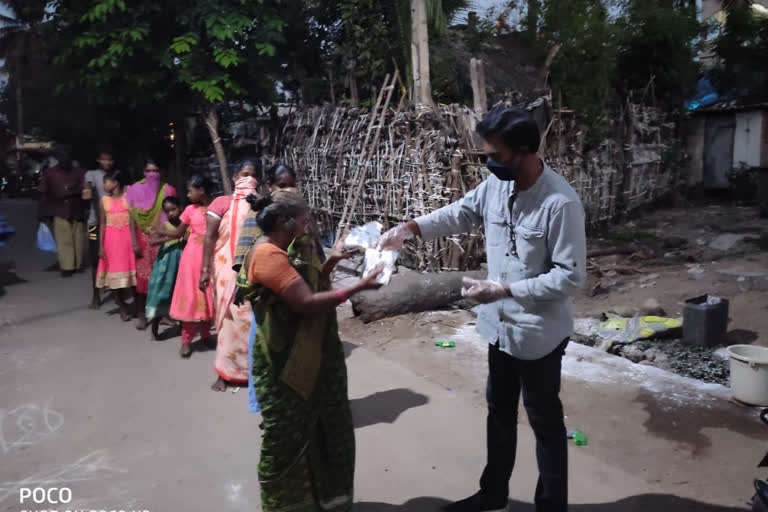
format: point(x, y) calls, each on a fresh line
point(365, 237)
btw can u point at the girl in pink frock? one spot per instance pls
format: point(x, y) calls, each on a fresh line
point(117, 254)
point(190, 305)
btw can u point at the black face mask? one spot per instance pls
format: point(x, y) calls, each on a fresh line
point(502, 171)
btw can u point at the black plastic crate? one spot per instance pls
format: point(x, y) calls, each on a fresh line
point(705, 323)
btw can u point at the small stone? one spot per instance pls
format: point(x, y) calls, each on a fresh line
point(623, 311)
point(648, 278)
point(721, 354)
point(650, 354)
point(651, 307)
point(635, 355)
point(696, 272)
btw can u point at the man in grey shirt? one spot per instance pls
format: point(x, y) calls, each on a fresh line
point(94, 191)
point(536, 250)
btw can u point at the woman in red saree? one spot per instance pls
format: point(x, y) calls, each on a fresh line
point(145, 198)
point(226, 216)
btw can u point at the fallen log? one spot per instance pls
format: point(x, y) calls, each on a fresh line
point(610, 251)
point(411, 292)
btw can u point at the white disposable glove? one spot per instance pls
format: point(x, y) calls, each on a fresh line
point(483, 291)
point(394, 239)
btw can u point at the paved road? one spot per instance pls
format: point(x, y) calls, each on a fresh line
point(89, 403)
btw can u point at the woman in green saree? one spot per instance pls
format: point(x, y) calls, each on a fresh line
point(308, 447)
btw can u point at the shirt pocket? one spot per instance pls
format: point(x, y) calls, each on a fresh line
point(496, 229)
point(531, 249)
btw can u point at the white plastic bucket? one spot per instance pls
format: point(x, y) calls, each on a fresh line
point(749, 374)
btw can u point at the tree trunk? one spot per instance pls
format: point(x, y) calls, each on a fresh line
point(544, 72)
point(411, 292)
point(477, 77)
point(422, 85)
point(19, 108)
point(330, 83)
point(532, 19)
point(212, 121)
point(354, 97)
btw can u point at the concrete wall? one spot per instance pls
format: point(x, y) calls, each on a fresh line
point(749, 139)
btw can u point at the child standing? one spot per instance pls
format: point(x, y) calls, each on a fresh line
point(189, 304)
point(117, 254)
point(166, 266)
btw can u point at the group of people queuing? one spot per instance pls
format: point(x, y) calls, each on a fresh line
point(179, 265)
point(252, 265)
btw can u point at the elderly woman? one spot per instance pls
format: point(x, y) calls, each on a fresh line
point(308, 447)
point(226, 216)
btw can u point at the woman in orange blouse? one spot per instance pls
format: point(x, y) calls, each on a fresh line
point(308, 447)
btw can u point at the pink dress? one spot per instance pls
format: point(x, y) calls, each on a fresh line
point(117, 269)
point(233, 322)
point(189, 304)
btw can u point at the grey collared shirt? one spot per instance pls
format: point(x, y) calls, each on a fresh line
point(537, 249)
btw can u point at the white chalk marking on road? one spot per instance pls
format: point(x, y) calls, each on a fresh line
point(235, 493)
point(28, 425)
point(96, 465)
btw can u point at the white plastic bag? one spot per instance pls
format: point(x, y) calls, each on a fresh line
point(365, 238)
point(45, 240)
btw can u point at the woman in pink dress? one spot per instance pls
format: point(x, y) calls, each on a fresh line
point(226, 215)
point(146, 200)
point(117, 261)
point(190, 305)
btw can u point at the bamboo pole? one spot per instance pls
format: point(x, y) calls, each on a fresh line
point(365, 154)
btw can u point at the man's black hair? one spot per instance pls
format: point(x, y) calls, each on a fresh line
point(514, 126)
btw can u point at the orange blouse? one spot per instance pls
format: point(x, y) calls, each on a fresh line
point(269, 266)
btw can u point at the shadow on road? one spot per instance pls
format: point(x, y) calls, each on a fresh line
point(348, 347)
point(741, 337)
point(385, 406)
point(205, 345)
point(8, 276)
point(170, 332)
point(640, 503)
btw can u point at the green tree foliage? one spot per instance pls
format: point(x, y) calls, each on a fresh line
point(204, 46)
point(658, 43)
point(742, 49)
point(377, 34)
point(189, 53)
point(21, 36)
point(585, 68)
point(366, 41)
point(610, 52)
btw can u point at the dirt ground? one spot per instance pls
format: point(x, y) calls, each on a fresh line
point(88, 402)
point(720, 250)
point(679, 433)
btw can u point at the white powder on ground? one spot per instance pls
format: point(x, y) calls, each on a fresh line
point(594, 367)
